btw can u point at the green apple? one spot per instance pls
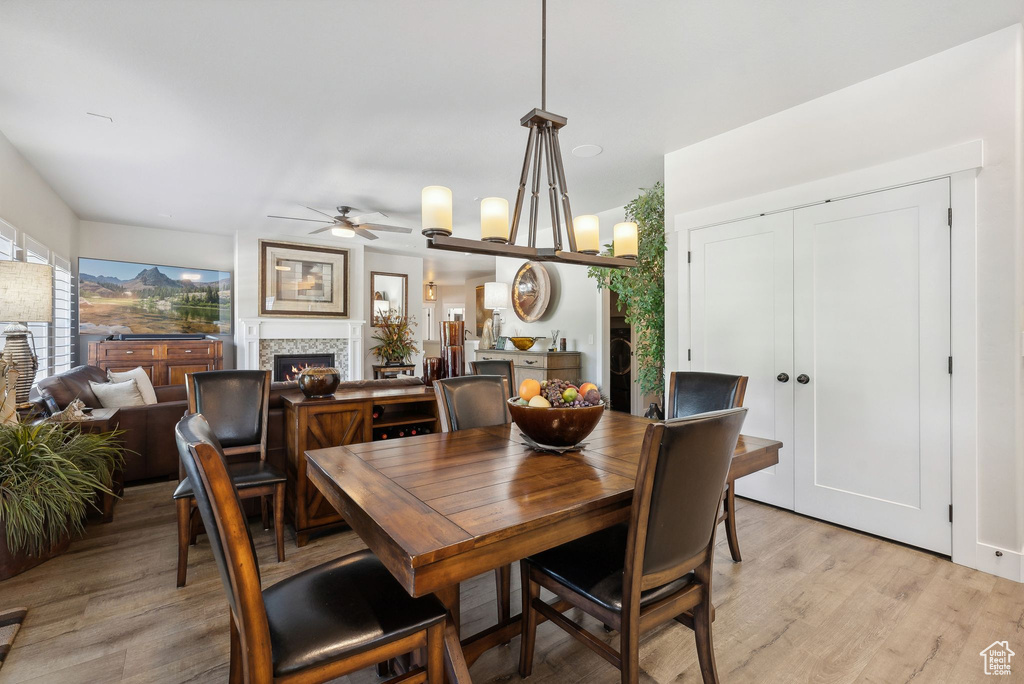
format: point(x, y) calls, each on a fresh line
point(570, 394)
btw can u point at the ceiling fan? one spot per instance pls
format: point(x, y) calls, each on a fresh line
point(344, 225)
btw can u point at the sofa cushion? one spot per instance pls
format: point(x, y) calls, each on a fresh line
point(141, 379)
point(118, 394)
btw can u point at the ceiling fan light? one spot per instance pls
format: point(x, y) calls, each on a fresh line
point(338, 231)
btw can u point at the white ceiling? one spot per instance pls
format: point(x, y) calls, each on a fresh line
point(227, 111)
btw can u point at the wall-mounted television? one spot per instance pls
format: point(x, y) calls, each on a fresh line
point(121, 297)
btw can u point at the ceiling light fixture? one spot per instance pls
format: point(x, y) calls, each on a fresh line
point(342, 232)
point(431, 293)
point(587, 151)
point(497, 240)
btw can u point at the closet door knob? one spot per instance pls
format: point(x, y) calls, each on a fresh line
point(783, 377)
point(803, 379)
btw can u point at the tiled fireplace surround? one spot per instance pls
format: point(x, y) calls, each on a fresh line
point(264, 337)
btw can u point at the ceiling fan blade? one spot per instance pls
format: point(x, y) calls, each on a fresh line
point(385, 229)
point(321, 230)
point(363, 233)
point(320, 212)
point(296, 218)
point(366, 216)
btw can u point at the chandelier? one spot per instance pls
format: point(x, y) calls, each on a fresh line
point(497, 238)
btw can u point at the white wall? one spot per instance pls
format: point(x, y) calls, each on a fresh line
point(162, 247)
point(970, 92)
point(391, 263)
point(29, 204)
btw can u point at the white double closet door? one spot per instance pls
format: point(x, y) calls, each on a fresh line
point(839, 313)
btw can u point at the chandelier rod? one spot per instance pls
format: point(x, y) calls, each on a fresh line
point(544, 54)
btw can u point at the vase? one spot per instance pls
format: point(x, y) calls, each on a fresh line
point(433, 369)
point(454, 360)
point(319, 382)
point(452, 333)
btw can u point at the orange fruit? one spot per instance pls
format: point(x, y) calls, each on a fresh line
point(529, 389)
point(586, 387)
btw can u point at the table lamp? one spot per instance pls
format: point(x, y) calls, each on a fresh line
point(26, 295)
point(496, 298)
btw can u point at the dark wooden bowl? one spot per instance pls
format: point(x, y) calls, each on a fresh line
point(558, 427)
point(318, 382)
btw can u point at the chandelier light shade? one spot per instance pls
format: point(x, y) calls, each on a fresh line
point(587, 229)
point(494, 219)
point(430, 292)
point(543, 158)
point(496, 295)
point(625, 240)
point(436, 210)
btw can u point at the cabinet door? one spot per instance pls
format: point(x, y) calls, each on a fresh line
point(177, 370)
point(741, 308)
point(871, 278)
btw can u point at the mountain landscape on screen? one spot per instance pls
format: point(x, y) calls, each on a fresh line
point(122, 297)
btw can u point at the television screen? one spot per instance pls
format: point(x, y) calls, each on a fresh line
point(125, 297)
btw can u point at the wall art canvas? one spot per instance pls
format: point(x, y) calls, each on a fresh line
point(303, 280)
point(127, 297)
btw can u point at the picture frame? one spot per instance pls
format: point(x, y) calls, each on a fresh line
point(303, 281)
point(482, 312)
point(389, 293)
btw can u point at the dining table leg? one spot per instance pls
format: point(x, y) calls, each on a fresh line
point(455, 666)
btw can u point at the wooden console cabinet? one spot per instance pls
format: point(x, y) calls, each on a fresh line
point(538, 365)
point(347, 418)
point(167, 362)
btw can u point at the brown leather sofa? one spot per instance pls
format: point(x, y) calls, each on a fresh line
point(149, 430)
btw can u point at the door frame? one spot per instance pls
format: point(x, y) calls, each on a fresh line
point(961, 164)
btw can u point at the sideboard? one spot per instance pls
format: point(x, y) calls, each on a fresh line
point(345, 418)
point(539, 365)
point(165, 361)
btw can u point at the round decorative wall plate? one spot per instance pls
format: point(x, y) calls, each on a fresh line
point(531, 291)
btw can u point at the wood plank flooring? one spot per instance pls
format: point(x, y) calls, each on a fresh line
point(810, 603)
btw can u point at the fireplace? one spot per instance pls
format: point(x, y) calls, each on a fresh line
point(288, 366)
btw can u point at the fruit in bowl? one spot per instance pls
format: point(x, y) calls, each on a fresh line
point(559, 415)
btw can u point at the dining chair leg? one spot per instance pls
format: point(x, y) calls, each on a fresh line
point(730, 522)
point(184, 510)
point(702, 617)
point(264, 513)
point(435, 654)
point(629, 649)
point(503, 583)
point(383, 669)
point(193, 526)
point(530, 591)
point(279, 520)
point(235, 669)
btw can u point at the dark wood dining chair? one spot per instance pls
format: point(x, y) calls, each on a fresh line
point(654, 568)
point(690, 393)
point(323, 623)
point(474, 401)
point(503, 367)
point(236, 404)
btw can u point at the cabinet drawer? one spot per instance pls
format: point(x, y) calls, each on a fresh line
point(200, 350)
point(141, 352)
point(557, 361)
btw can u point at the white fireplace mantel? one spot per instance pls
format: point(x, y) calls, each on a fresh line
point(256, 329)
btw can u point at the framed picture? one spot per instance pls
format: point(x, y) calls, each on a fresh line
point(389, 294)
point(482, 312)
point(303, 281)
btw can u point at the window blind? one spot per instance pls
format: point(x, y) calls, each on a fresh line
point(37, 253)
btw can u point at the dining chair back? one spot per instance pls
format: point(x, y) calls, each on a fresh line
point(233, 550)
point(691, 392)
point(503, 367)
point(226, 399)
point(472, 401)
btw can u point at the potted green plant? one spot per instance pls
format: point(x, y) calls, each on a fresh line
point(50, 474)
point(394, 335)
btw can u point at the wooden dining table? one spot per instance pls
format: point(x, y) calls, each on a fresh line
point(442, 508)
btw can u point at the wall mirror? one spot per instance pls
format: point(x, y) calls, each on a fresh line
point(389, 295)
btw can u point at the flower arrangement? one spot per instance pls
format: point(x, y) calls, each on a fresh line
point(394, 335)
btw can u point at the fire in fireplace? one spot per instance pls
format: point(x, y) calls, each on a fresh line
point(288, 366)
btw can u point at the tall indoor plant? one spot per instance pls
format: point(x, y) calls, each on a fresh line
point(49, 474)
point(641, 289)
point(394, 335)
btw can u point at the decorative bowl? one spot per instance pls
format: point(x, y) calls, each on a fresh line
point(523, 343)
point(557, 427)
point(317, 382)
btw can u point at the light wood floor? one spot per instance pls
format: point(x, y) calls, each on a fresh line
point(811, 603)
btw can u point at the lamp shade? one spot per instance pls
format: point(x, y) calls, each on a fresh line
point(494, 219)
point(624, 240)
point(436, 210)
point(26, 292)
point(586, 229)
point(496, 295)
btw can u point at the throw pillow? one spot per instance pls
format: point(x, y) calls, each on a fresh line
point(140, 378)
point(117, 394)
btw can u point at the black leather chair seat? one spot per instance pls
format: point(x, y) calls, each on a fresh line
point(342, 607)
point(593, 566)
point(243, 475)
